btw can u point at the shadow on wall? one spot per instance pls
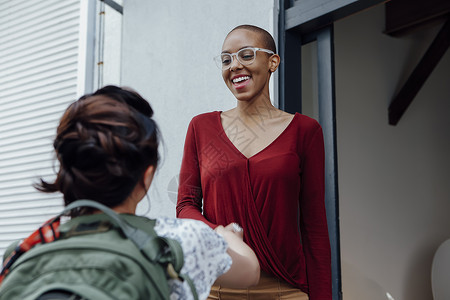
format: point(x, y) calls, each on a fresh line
point(420, 262)
point(362, 286)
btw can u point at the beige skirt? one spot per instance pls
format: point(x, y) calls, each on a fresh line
point(269, 287)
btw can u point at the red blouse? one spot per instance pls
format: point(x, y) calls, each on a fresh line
point(276, 195)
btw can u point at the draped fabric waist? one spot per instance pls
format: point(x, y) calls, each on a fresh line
point(242, 209)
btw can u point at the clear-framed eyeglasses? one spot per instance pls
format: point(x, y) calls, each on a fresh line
point(245, 56)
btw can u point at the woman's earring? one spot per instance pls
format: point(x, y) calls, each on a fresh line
point(149, 203)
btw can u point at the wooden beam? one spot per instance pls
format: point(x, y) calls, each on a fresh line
point(402, 15)
point(308, 15)
point(420, 74)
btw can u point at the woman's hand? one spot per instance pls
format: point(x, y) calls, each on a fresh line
point(244, 271)
point(234, 228)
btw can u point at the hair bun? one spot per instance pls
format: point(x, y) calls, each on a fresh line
point(105, 141)
point(89, 155)
point(83, 155)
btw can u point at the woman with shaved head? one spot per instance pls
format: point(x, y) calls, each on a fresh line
point(261, 168)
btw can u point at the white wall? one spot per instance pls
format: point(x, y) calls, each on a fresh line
point(393, 180)
point(167, 56)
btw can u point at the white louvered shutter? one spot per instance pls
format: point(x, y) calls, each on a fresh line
point(38, 79)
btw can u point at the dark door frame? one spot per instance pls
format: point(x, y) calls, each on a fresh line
point(301, 22)
point(292, 102)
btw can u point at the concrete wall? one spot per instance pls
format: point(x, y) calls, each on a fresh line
point(393, 181)
point(167, 55)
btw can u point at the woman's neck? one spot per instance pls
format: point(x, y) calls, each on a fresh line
point(260, 107)
point(125, 208)
point(129, 205)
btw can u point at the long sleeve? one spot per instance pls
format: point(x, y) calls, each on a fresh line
point(189, 202)
point(266, 194)
point(313, 222)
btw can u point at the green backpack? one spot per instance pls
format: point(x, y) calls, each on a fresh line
point(95, 257)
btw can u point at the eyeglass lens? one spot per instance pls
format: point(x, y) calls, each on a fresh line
point(245, 57)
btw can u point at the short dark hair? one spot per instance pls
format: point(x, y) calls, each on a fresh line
point(266, 37)
point(104, 143)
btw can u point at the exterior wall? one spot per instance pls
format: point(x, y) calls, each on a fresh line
point(167, 55)
point(393, 181)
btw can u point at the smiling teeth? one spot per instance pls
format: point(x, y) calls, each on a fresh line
point(241, 79)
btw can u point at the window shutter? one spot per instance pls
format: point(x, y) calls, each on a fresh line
point(38, 79)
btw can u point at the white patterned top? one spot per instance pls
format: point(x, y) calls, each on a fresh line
point(205, 256)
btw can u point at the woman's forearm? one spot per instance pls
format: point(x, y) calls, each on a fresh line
point(245, 270)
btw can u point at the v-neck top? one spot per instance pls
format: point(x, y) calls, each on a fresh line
point(236, 137)
point(276, 195)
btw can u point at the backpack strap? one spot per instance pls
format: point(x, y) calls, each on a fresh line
point(153, 247)
point(137, 236)
point(47, 233)
point(191, 285)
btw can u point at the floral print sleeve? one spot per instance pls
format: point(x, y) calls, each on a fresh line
point(205, 256)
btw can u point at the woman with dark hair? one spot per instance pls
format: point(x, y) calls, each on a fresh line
point(262, 168)
point(107, 148)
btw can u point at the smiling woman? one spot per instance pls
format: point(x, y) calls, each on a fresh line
point(263, 169)
point(253, 65)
